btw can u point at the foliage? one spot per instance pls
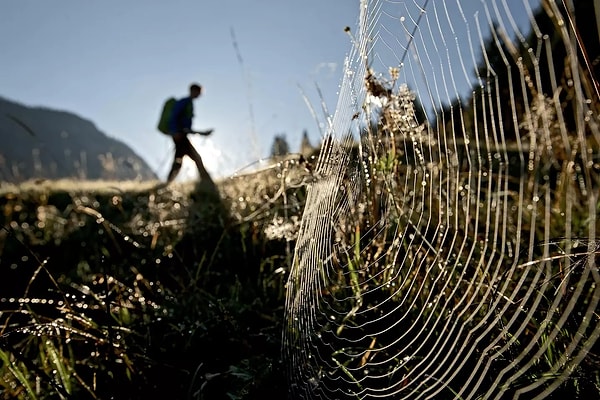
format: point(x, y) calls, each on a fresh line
point(280, 146)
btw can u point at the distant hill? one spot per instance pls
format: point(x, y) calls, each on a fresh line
point(43, 143)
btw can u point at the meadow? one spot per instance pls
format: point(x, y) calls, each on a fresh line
point(135, 290)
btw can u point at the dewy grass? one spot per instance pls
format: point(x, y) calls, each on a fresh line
point(137, 281)
point(16, 370)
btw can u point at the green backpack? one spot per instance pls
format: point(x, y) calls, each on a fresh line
point(163, 123)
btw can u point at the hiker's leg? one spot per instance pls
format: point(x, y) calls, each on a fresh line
point(191, 152)
point(179, 140)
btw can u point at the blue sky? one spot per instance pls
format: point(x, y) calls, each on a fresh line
point(114, 62)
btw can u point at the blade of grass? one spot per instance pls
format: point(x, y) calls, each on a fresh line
point(17, 373)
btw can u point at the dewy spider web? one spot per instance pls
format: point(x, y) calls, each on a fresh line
point(448, 247)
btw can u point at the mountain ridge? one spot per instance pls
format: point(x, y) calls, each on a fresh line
point(41, 142)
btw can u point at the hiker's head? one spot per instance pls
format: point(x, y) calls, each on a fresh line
point(195, 90)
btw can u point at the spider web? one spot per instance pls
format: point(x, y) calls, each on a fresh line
point(448, 246)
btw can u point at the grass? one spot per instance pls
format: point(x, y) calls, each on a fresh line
point(130, 290)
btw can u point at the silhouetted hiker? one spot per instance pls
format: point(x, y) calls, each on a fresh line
point(176, 121)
